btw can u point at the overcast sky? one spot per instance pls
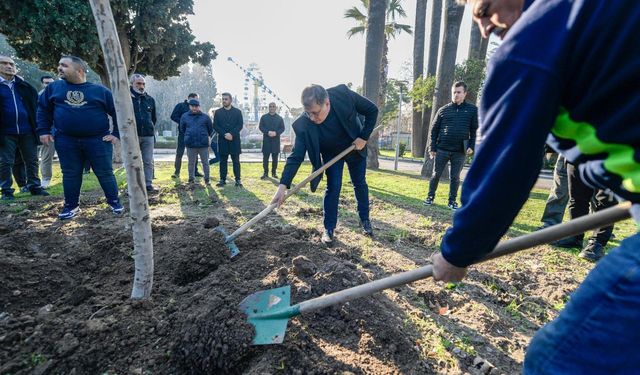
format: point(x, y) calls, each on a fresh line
point(295, 43)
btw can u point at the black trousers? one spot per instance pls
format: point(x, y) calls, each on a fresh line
point(235, 159)
point(580, 195)
point(26, 146)
point(274, 162)
point(457, 162)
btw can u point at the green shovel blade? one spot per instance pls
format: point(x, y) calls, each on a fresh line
point(269, 312)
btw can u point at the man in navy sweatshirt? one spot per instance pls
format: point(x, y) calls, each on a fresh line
point(80, 112)
point(566, 74)
point(17, 130)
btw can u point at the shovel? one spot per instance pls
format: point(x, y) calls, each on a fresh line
point(269, 310)
point(228, 239)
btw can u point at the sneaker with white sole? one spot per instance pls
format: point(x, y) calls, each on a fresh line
point(453, 205)
point(116, 208)
point(68, 213)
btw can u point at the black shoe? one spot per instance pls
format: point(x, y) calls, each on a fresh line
point(39, 191)
point(327, 237)
point(192, 181)
point(198, 174)
point(151, 189)
point(221, 183)
point(239, 184)
point(175, 176)
point(544, 226)
point(453, 205)
point(264, 177)
point(594, 251)
point(428, 201)
point(274, 175)
point(568, 243)
point(367, 229)
point(7, 197)
point(207, 182)
point(213, 161)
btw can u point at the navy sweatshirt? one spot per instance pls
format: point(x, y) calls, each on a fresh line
point(566, 74)
point(76, 110)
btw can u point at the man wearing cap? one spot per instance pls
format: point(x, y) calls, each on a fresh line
point(197, 129)
point(180, 109)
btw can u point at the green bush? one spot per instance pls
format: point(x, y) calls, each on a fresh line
point(402, 148)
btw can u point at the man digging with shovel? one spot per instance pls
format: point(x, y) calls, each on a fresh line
point(566, 74)
point(330, 124)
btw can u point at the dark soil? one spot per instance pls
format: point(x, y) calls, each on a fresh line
point(65, 306)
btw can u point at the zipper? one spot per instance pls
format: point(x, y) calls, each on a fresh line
point(15, 104)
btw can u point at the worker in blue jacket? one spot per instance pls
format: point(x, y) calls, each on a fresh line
point(567, 74)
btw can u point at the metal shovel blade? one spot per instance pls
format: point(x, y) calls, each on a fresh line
point(233, 249)
point(269, 312)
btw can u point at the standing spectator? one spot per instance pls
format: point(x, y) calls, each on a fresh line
point(453, 136)
point(580, 198)
point(46, 151)
point(17, 129)
point(332, 123)
point(271, 126)
point(197, 129)
point(227, 122)
point(558, 196)
point(144, 107)
point(80, 111)
point(176, 115)
point(214, 143)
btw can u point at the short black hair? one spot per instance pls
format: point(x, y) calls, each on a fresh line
point(78, 61)
point(192, 95)
point(228, 95)
point(460, 84)
point(45, 77)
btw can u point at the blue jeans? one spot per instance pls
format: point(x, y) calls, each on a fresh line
point(146, 149)
point(598, 332)
point(357, 166)
point(73, 152)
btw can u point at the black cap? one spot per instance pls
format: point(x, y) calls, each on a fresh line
point(193, 102)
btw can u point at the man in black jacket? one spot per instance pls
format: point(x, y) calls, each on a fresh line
point(271, 126)
point(17, 129)
point(453, 136)
point(331, 123)
point(144, 107)
point(227, 122)
point(176, 115)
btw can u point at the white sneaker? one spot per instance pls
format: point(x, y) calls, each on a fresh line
point(45, 183)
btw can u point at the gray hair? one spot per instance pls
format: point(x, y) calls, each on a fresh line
point(78, 62)
point(314, 94)
point(135, 77)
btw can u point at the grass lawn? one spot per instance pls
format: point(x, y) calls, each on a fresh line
point(392, 154)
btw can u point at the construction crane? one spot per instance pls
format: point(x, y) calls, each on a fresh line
point(253, 74)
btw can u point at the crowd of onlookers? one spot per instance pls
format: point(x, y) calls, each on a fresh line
point(76, 120)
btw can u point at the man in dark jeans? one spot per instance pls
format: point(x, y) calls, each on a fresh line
point(334, 119)
point(580, 197)
point(178, 111)
point(453, 136)
point(17, 130)
point(80, 111)
point(227, 122)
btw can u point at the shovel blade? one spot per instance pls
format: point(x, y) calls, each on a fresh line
point(269, 312)
point(233, 249)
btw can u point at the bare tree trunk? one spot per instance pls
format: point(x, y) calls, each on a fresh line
point(417, 144)
point(432, 65)
point(372, 63)
point(138, 203)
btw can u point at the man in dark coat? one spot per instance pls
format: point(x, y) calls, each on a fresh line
point(331, 123)
point(18, 101)
point(271, 126)
point(227, 122)
point(144, 108)
point(176, 115)
point(453, 136)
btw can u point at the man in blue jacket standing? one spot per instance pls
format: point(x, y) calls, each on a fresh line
point(331, 123)
point(179, 110)
point(144, 108)
point(80, 112)
point(557, 78)
point(197, 129)
point(17, 130)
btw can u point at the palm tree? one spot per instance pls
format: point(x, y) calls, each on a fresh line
point(393, 11)
point(417, 144)
point(447, 64)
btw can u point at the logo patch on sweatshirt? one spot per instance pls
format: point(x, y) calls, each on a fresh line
point(75, 98)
